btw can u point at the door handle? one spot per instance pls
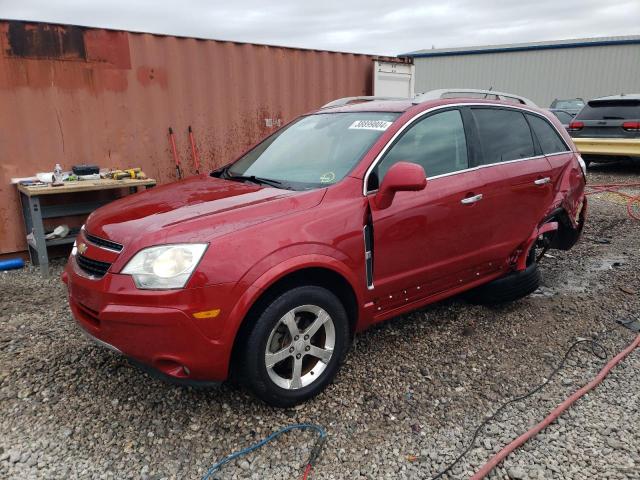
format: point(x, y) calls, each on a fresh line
point(542, 181)
point(469, 200)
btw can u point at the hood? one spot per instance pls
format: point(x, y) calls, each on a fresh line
point(196, 209)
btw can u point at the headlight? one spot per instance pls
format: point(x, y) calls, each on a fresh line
point(74, 249)
point(166, 266)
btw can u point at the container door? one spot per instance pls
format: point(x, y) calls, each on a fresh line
point(392, 79)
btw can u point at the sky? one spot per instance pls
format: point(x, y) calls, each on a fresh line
point(372, 26)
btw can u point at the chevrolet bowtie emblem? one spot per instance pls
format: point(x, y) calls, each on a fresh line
point(82, 247)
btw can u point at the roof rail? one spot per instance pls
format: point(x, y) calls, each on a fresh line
point(341, 102)
point(471, 93)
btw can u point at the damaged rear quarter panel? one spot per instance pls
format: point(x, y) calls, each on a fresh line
point(569, 185)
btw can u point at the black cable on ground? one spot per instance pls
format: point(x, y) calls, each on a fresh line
point(595, 346)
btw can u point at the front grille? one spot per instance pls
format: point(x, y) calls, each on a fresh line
point(101, 242)
point(94, 268)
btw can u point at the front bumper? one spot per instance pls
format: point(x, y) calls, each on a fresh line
point(155, 329)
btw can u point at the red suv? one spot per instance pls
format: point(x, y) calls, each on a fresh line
point(265, 269)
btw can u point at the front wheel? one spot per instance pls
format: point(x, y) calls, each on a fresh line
point(296, 346)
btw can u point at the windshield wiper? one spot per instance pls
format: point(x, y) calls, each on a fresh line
point(258, 180)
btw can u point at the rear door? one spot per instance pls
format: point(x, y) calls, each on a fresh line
point(607, 119)
point(552, 146)
point(518, 177)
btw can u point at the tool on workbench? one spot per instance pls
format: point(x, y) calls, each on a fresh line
point(32, 183)
point(194, 151)
point(176, 158)
point(135, 173)
point(81, 170)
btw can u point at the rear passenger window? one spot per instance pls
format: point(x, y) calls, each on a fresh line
point(504, 135)
point(547, 136)
point(437, 143)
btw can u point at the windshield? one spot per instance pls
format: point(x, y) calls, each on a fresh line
point(315, 151)
point(564, 117)
point(560, 104)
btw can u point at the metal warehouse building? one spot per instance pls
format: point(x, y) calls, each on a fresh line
point(541, 71)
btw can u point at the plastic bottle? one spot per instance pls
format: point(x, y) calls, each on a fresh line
point(57, 174)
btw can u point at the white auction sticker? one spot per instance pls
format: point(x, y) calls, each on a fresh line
point(381, 125)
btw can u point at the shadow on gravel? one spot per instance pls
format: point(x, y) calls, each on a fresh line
point(623, 167)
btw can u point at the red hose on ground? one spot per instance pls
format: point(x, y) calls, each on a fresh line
point(615, 188)
point(518, 442)
point(307, 470)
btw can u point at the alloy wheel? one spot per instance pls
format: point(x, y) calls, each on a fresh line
point(300, 347)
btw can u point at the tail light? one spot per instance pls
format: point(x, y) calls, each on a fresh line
point(631, 126)
point(575, 126)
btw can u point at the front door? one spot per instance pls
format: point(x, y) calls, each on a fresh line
point(429, 241)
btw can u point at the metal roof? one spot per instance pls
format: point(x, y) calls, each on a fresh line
point(155, 33)
point(520, 47)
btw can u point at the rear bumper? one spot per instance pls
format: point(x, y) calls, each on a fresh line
point(606, 148)
point(156, 330)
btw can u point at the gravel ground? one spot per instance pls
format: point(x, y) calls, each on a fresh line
point(404, 405)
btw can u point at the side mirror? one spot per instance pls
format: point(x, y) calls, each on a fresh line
point(401, 177)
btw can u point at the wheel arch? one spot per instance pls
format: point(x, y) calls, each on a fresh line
point(568, 231)
point(322, 275)
point(563, 234)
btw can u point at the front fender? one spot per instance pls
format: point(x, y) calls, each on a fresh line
point(299, 262)
point(252, 286)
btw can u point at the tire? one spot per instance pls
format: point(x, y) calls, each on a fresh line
point(512, 286)
point(281, 328)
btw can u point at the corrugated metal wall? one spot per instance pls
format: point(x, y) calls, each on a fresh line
point(540, 75)
point(78, 95)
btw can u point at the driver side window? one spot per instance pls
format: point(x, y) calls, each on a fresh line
point(436, 142)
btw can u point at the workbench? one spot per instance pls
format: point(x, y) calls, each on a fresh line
point(34, 213)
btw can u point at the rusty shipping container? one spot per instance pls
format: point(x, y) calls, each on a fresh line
point(75, 95)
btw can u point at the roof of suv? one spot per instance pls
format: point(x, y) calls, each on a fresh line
point(426, 99)
point(624, 96)
point(404, 105)
point(373, 106)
